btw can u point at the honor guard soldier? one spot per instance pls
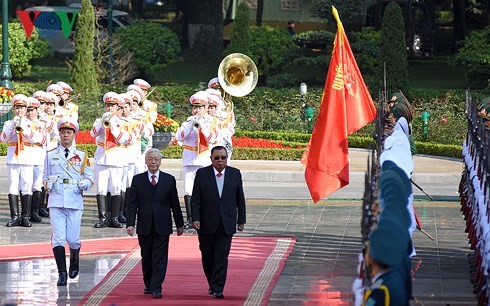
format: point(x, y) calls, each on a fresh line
point(68, 107)
point(197, 134)
point(147, 105)
point(38, 156)
point(20, 136)
point(40, 95)
point(109, 136)
point(67, 174)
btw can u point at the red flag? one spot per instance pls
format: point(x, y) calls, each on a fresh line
point(202, 143)
point(346, 107)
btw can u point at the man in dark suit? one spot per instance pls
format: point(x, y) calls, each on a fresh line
point(218, 210)
point(154, 197)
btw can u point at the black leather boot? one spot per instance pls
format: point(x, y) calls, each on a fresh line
point(14, 210)
point(74, 263)
point(43, 205)
point(101, 203)
point(36, 201)
point(25, 204)
point(121, 218)
point(115, 207)
point(187, 202)
point(59, 257)
point(108, 212)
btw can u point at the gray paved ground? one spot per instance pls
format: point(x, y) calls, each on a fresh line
point(322, 265)
point(320, 269)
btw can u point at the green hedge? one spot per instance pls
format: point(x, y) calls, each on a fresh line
point(294, 140)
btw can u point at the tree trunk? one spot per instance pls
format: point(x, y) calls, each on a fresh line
point(260, 12)
point(459, 24)
point(204, 28)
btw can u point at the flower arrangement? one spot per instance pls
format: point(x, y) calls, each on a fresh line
point(6, 95)
point(164, 124)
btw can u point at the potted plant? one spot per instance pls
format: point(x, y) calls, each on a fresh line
point(164, 127)
point(5, 100)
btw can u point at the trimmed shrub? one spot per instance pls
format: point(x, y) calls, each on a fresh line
point(394, 50)
point(154, 46)
point(269, 48)
point(23, 50)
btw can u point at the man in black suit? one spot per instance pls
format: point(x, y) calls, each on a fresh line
point(218, 205)
point(154, 197)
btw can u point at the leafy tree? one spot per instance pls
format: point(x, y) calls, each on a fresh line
point(23, 50)
point(240, 33)
point(83, 77)
point(475, 57)
point(394, 50)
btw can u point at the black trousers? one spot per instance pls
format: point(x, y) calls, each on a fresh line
point(214, 255)
point(154, 259)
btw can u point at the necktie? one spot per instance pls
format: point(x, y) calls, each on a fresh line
point(153, 181)
point(219, 174)
point(67, 152)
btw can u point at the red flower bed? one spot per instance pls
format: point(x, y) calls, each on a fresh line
point(246, 142)
point(83, 137)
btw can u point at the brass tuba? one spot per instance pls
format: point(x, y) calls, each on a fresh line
point(237, 74)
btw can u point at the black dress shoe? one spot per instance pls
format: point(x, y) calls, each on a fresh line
point(219, 295)
point(157, 294)
point(210, 291)
point(147, 291)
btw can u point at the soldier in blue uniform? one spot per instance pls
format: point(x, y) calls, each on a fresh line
point(67, 174)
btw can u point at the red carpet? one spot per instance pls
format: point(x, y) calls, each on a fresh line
point(89, 247)
point(254, 267)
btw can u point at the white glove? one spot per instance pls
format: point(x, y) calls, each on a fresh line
point(84, 185)
point(358, 291)
point(48, 185)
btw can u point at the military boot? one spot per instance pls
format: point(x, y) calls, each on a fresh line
point(43, 206)
point(25, 204)
point(14, 210)
point(74, 263)
point(101, 204)
point(121, 216)
point(36, 200)
point(59, 256)
point(115, 207)
point(187, 202)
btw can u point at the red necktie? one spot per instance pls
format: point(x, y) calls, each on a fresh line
point(153, 181)
point(219, 174)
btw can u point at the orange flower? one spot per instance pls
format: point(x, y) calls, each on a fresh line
point(164, 124)
point(6, 95)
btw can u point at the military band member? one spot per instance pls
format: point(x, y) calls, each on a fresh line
point(150, 106)
point(19, 134)
point(143, 131)
point(69, 108)
point(38, 156)
point(225, 115)
point(109, 136)
point(131, 152)
point(197, 134)
point(67, 174)
point(58, 91)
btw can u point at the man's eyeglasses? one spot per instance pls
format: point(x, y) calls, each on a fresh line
point(220, 157)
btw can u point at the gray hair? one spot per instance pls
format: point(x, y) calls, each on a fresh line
point(153, 150)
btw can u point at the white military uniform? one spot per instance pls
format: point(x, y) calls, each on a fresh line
point(192, 159)
point(108, 155)
point(65, 197)
point(20, 154)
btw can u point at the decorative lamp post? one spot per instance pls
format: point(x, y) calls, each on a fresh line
point(425, 124)
point(110, 27)
point(5, 72)
point(169, 109)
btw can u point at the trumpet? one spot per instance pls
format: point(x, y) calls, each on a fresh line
point(18, 121)
point(194, 121)
point(140, 104)
point(106, 120)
